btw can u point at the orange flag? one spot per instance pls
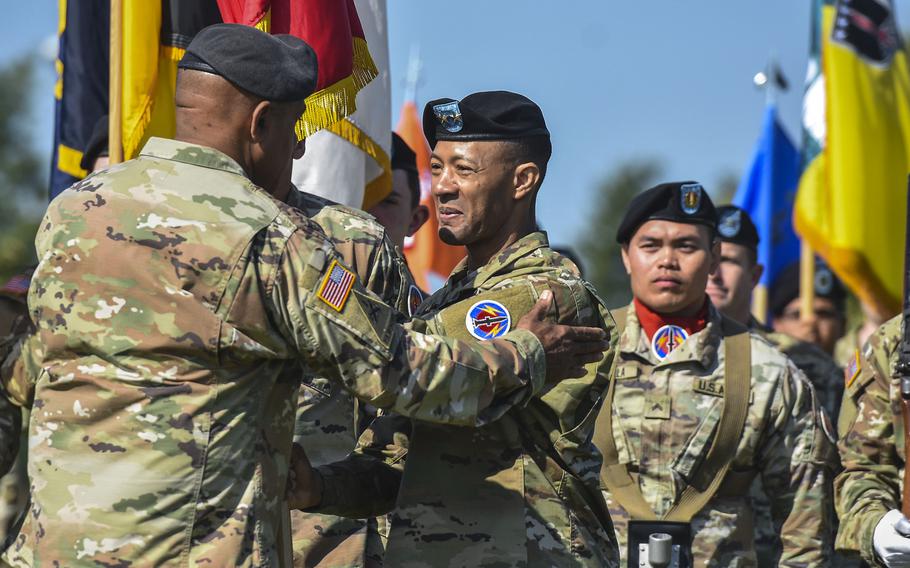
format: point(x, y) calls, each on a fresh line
point(427, 256)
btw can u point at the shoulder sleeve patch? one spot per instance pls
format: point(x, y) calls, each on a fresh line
point(336, 286)
point(487, 315)
point(851, 371)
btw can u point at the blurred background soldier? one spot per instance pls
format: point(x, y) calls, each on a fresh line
point(828, 321)
point(14, 325)
point(401, 212)
point(730, 289)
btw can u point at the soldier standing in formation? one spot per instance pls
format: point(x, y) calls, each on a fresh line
point(730, 289)
point(872, 451)
point(523, 490)
point(401, 212)
point(164, 370)
point(699, 407)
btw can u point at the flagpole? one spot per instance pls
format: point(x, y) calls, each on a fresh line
point(806, 282)
point(768, 80)
point(115, 85)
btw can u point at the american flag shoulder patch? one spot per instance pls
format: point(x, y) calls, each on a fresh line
point(336, 286)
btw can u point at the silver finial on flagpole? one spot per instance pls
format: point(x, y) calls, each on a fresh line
point(771, 79)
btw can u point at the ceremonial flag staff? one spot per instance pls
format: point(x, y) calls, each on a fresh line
point(771, 80)
point(115, 85)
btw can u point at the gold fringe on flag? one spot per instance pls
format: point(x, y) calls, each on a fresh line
point(380, 187)
point(329, 106)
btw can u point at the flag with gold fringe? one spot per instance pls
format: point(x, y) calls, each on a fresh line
point(850, 205)
point(347, 161)
point(155, 36)
point(429, 259)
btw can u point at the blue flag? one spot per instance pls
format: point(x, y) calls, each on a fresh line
point(81, 91)
point(767, 191)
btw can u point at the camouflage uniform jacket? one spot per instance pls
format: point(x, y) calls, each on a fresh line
point(518, 492)
point(174, 301)
point(828, 380)
point(819, 367)
point(665, 415)
point(872, 444)
point(329, 419)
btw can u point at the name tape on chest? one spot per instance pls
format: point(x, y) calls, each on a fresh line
point(336, 286)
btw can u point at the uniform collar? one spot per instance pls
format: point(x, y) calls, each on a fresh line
point(193, 154)
point(520, 258)
point(504, 262)
point(699, 348)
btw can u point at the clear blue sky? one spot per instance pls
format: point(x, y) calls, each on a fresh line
point(616, 80)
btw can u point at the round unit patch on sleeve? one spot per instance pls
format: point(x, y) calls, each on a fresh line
point(488, 320)
point(415, 298)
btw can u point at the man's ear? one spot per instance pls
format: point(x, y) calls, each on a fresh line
point(526, 177)
point(418, 217)
point(757, 272)
point(260, 120)
point(625, 258)
point(715, 255)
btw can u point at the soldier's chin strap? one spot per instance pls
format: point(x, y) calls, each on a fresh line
point(709, 477)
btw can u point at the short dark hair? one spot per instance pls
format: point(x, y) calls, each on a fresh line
point(405, 159)
point(535, 149)
point(414, 185)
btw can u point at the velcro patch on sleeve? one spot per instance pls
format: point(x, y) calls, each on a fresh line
point(851, 371)
point(336, 286)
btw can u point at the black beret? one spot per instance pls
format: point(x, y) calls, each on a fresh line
point(680, 202)
point(97, 145)
point(489, 115)
point(785, 288)
point(403, 158)
point(735, 226)
point(274, 67)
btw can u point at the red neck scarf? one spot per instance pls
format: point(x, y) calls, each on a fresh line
point(651, 321)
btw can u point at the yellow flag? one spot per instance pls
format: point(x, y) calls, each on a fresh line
point(851, 203)
point(155, 36)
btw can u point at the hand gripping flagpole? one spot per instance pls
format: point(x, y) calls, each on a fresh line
point(115, 85)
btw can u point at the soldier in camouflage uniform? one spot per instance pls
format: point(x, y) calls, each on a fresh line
point(730, 289)
point(14, 325)
point(522, 491)
point(330, 419)
point(175, 299)
point(872, 451)
point(670, 400)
